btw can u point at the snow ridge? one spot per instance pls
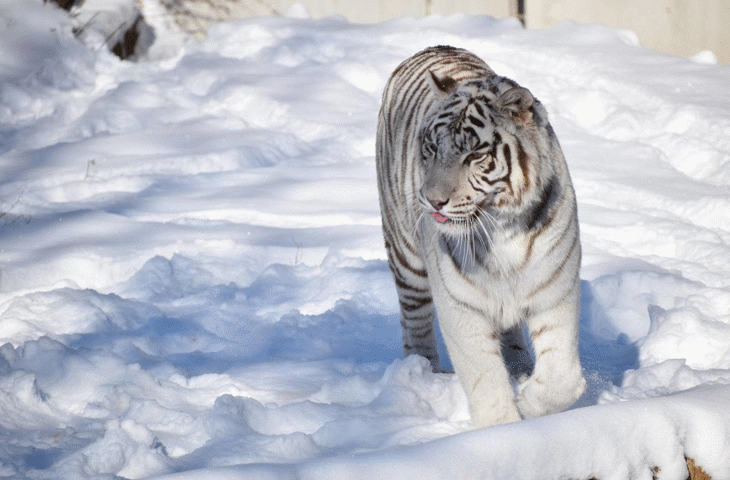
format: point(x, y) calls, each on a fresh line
point(193, 282)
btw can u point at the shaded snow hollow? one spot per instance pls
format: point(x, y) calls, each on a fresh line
point(193, 282)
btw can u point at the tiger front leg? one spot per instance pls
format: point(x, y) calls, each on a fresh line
point(475, 352)
point(557, 379)
point(417, 322)
point(419, 338)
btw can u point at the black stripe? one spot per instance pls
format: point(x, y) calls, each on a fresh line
point(479, 108)
point(453, 296)
point(417, 318)
point(557, 272)
point(523, 160)
point(540, 214)
point(412, 307)
point(507, 152)
point(425, 323)
point(421, 335)
point(402, 284)
point(396, 258)
point(406, 265)
point(476, 121)
point(426, 298)
point(508, 176)
point(477, 187)
point(568, 228)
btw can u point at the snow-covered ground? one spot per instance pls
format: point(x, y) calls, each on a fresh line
point(193, 282)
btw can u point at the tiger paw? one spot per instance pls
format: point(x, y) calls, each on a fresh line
point(537, 397)
point(487, 416)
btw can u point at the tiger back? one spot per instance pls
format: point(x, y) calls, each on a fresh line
point(480, 221)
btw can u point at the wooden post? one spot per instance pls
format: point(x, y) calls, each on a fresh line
point(517, 10)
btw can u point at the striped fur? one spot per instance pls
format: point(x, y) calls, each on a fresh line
point(480, 222)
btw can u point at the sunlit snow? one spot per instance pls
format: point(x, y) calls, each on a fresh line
point(193, 281)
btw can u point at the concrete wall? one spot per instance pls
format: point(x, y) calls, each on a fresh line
point(372, 11)
point(196, 15)
point(678, 27)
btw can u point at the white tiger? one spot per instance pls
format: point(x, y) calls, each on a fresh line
point(479, 219)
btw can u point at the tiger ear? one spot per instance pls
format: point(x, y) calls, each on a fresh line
point(441, 84)
point(517, 102)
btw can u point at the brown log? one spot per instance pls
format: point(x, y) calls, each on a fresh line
point(696, 472)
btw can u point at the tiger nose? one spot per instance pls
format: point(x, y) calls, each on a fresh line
point(437, 203)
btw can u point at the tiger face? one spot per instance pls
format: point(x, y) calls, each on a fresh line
point(476, 153)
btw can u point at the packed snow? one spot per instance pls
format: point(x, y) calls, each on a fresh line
point(193, 282)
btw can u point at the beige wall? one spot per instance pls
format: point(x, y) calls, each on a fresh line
point(678, 27)
point(358, 11)
point(372, 11)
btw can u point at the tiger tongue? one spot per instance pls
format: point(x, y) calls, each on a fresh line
point(440, 218)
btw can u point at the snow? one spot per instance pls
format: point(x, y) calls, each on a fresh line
point(193, 282)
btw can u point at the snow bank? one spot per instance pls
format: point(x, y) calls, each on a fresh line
point(635, 440)
point(193, 282)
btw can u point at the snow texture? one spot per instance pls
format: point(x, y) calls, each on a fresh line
point(193, 282)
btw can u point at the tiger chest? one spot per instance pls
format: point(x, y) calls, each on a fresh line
point(497, 281)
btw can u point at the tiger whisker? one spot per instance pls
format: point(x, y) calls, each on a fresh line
point(470, 254)
point(472, 234)
point(491, 219)
point(417, 225)
point(477, 231)
point(485, 229)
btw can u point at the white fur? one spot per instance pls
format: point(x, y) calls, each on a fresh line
point(557, 379)
point(514, 273)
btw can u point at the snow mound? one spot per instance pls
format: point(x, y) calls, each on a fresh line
point(193, 281)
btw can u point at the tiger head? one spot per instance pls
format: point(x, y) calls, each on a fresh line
point(482, 148)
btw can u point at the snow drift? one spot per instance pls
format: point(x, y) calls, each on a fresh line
point(193, 283)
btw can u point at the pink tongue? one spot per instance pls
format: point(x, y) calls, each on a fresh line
point(440, 218)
